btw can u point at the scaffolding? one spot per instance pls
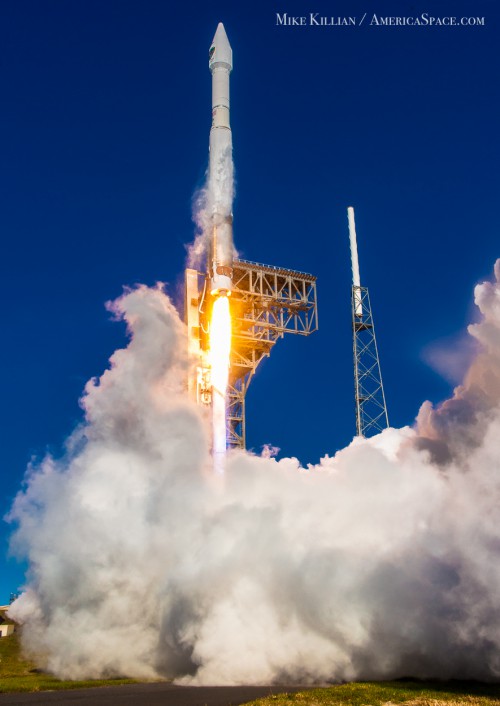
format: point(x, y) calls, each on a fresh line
point(371, 408)
point(266, 303)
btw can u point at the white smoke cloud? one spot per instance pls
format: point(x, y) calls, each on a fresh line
point(213, 202)
point(452, 356)
point(197, 250)
point(380, 562)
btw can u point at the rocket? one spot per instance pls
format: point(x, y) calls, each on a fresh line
point(220, 183)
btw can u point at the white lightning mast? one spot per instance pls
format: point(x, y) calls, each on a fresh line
point(371, 408)
point(356, 282)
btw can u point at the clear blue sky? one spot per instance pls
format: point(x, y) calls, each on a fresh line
point(105, 120)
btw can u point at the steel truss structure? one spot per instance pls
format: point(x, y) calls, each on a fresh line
point(266, 303)
point(371, 408)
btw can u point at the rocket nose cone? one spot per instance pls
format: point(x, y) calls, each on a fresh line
point(220, 49)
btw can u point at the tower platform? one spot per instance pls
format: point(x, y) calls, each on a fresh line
point(266, 303)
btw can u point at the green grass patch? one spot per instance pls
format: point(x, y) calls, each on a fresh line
point(410, 693)
point(18, 674)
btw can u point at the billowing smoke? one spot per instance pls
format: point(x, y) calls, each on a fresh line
point(380, 562)
point(213, 203)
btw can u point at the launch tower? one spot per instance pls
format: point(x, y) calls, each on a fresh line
point(266, 303)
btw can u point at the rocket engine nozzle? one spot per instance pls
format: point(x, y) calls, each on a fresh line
point(221, 280)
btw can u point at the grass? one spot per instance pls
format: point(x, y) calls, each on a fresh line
point(17, 674)
point(409, 693)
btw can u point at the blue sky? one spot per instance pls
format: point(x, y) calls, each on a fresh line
point(105, 122)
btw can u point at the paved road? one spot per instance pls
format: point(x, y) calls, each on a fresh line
point(147, 695)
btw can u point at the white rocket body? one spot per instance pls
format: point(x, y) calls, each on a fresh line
point(220, 256)
point(354, 259)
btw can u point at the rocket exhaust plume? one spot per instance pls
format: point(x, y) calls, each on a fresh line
point(380, 562)
point(220, 349)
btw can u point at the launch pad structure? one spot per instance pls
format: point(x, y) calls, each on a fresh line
point(371, 407)
point(266, 302)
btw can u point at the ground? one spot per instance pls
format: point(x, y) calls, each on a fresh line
point(18, 674)
point(409, 693)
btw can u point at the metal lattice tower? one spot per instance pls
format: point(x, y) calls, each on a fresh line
point(371, 408)
point(266, 303)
